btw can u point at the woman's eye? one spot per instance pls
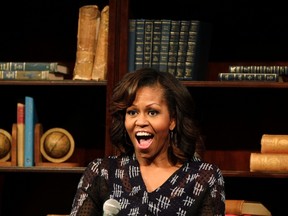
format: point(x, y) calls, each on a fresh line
point(153, 113)
point(131, 112)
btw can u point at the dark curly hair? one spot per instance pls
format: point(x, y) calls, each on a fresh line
point(185, 136)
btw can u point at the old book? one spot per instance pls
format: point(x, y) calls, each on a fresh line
point(273, 162)
point(244, 207)
point(274, 143)
point(34, 66)
point(131, 45)
point(165, 37)
point(198, 49)
point(148, 40)
point(88, 26)
point(156, 44)
point(256, 77)
point(278, 69)
point(99, 71)
point(30, 75)
point(182, 48)
point(173, 46)
point(139, 53)
point(20, 133)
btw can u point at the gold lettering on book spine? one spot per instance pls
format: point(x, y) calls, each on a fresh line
point(88, 24)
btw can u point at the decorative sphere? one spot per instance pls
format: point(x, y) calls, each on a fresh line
point(57, 145)
point(5, 145)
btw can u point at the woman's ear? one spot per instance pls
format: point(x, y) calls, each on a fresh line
point(172, 124)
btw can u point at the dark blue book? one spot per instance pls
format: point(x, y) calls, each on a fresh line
point(148, 40)
point(182, 48)
point(156, 44)
point(132, 45)
point(165, 36)
point(173, 46)
point(139, 53)
point(197, 55)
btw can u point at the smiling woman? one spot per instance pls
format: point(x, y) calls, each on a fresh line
point(154, 130)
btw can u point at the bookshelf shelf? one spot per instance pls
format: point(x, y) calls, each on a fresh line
point(55, 83)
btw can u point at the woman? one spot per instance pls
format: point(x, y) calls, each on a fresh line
point(157, 171)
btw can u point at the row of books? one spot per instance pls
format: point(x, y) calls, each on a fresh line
point(268, 73)
point(33, 71)
point(273, 155)
point(180, 47)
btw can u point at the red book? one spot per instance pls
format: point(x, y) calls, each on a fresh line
point(20, 133)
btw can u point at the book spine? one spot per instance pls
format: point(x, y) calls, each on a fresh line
point(173, 46)
point(165, 36)
point(29, 66)
point(148, 40)
point(24, 75)
point(139, 54)
point(274, 143)
point(182, 48)
point(278, 69)
point(198, 63)
point(99, 72)
point(156, 44)
point(193, 36)
point(269, 162)
point(131, 45)
point(248, 77)
point(20, 133)
point(30, 119)
point(88, 27)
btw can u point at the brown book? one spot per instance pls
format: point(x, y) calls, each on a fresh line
point(244, 207)
point(274, 143)
point(274, 162)
point(88, 26)
point(101, 55)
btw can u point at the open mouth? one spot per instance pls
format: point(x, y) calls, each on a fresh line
point(144, 139)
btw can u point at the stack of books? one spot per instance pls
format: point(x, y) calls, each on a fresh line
point(269, 73)
point(33, 71)
point(273, 156)
point(180, 47)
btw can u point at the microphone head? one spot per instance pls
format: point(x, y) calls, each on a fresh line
point(111, 207)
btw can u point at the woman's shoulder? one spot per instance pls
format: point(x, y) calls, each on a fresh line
point(202, 166)
point(108, 161)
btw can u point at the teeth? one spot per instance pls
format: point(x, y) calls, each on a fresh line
point(143, 134)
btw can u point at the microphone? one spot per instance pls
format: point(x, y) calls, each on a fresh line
point(111, 207)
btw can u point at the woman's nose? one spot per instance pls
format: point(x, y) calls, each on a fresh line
point(141, 120)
